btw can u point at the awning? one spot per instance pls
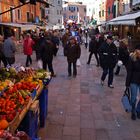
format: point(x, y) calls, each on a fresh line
point(23, 27)
point(129, 19)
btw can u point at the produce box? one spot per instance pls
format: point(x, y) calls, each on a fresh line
point(30, 122)
point(19, 117)
point(43, 106)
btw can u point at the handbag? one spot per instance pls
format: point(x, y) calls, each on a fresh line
point(126, 100)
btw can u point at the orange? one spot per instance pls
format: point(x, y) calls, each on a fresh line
point(3, 124)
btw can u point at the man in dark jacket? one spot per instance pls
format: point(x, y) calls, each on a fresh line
point(93, 48)
point(73, 52)
point(46, 54)
point(9, 49)
point(108, 60)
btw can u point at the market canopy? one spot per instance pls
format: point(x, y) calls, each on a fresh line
point(129, 19)
point(23, 27)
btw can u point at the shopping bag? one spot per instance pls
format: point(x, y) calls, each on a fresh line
point(120, 63)
point(40, 64)
point(126, 100)
point(78, 63)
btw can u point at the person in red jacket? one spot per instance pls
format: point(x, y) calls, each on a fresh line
point(28, 48)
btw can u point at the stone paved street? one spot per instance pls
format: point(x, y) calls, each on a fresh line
point(81, 109)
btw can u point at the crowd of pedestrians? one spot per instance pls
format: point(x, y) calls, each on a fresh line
point(109, 51)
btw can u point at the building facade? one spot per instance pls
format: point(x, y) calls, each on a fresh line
point(54, 13)
point(24, 14)
point(93, 10)
point(102, 11)
point(75, 11)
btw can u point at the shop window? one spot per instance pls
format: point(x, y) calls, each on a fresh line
point(99, 13)
point(77, 9)
point(19, 16)
point(85, 10)
point(47, 11)
point(103, 13)
point(58, 2)
point(28, 16)
point(59, 21)
point(108, 10)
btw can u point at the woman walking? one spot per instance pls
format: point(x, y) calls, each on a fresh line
point(72, 51)
point(28, 48)
point(133, 79)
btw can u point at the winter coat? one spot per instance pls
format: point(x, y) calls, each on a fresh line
point(72, 52)
point(9, 48)
point(28, 46)
point(123, 55)
point(46, 50)
point(65, 38)
point(1, 50)
point(108, 55)
point(93, 47)
point(133, 71)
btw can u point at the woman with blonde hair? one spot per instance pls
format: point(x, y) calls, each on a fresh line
point(133, 79)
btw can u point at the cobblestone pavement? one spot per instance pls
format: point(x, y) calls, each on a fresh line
point(81, 109)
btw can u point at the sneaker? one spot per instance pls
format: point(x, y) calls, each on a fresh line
point(133, 116)
point(102, 82)
point(88, 63)
point(111, 86)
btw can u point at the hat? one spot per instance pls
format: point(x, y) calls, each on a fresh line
point(137, 47)
point(110, 37)
point(71, 37)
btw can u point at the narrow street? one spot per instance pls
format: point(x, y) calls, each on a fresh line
point(81, 109)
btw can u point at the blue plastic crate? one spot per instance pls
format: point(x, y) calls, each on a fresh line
point(43, 106)
point(33, 94)
point(30, 124)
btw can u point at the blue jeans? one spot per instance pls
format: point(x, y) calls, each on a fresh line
point(108, 71)
point(134, 91)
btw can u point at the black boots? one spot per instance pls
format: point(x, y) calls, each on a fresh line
point(133, 116)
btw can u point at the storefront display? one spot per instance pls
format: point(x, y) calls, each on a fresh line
point(19, 89)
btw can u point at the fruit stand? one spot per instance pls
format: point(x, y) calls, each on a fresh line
point(19, 91)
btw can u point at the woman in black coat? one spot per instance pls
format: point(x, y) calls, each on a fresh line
point(133, 80)
point(72, 51)
point(93, 48)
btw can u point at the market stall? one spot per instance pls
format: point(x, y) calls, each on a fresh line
point(23, 100)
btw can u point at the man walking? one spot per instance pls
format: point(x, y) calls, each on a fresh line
point(108, 60)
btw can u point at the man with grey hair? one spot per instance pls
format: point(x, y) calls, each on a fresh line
point(10, 49)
